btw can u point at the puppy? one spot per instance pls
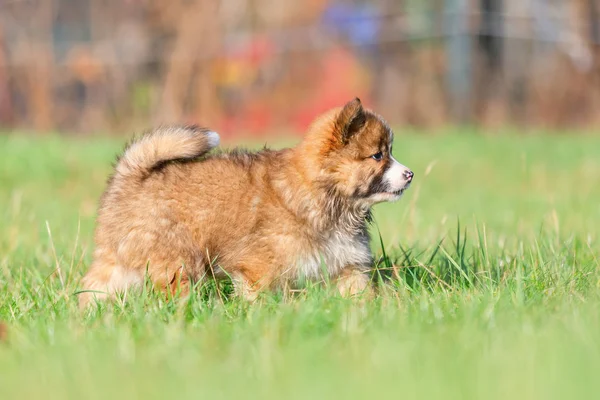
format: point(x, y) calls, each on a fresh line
point(269, 219)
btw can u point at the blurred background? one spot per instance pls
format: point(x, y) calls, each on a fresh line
point(259, 67)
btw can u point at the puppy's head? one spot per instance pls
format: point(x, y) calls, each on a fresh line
point(352, 150)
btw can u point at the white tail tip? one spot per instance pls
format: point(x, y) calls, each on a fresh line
point(213, 138)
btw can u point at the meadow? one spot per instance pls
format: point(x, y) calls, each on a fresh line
point(488, 272)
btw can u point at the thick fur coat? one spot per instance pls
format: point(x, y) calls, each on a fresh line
point(267, 219)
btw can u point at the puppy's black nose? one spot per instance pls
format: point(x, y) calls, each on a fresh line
point(408, 174)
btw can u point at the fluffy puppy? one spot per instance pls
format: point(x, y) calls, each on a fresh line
point(267, 219)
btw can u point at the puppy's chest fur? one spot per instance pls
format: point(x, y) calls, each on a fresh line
point(331, 253)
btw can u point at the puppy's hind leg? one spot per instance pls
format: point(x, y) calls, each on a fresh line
point(104, 279)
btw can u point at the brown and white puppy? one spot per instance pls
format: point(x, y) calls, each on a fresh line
point(267, 219)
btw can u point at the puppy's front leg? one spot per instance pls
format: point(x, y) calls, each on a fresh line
point(244, 288)
point(354, 281)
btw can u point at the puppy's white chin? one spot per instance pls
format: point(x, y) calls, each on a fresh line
point(383, 197)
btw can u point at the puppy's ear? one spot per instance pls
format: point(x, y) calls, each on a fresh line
point(351, 119)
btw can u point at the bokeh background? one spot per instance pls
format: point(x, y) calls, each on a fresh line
point(491, 259)
point(265, 67)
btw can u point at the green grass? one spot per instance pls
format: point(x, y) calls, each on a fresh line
point(489, 271)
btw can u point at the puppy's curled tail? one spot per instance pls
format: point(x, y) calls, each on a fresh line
point(157, 147)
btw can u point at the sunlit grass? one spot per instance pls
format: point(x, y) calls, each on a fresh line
point(487, 269)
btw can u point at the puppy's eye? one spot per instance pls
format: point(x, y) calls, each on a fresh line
point(377, 156)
